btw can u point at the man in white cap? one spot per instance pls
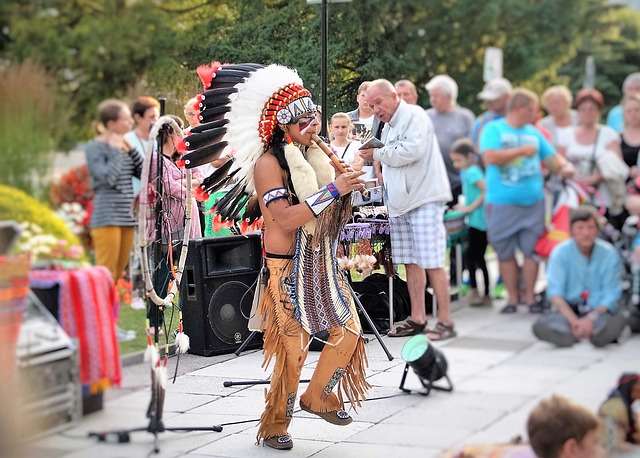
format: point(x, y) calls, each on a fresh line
point(495, 95)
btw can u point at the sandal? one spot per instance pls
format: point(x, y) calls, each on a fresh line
point(336, 417)
point(408, 328)
point(442, 331)
point(509, 308)
point(536, 307)
point(280, 442)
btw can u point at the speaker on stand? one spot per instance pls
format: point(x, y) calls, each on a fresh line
point(216, 294)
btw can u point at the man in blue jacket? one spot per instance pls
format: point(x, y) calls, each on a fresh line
point(584, 285)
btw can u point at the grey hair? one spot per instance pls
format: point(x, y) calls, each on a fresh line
point(446, 84)
point(630, 79)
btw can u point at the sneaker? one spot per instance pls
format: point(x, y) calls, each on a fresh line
point(125, 336)
point(474, 298)
point(499, 291)
point(138, 304)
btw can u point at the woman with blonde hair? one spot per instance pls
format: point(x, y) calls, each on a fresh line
point(344, 146)
point(556, 100)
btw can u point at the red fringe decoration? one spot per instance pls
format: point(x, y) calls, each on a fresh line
point(206, 73)
point(180, 163)
point(182, 148)
point(199, 194)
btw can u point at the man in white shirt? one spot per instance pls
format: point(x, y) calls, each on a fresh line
point(362, 117)
point(407, 91)
point(417, 188)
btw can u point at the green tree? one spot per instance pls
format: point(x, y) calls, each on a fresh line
point(405, 39)
point(613, 42)
point(96, 50)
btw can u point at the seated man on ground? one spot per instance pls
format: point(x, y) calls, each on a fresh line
point(560, 428)
point(584, 284)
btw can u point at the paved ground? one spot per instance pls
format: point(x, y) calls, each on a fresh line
point(499, 371)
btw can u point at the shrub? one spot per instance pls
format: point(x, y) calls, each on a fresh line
point(32, 118)
point(72, 197)
point(19, 206)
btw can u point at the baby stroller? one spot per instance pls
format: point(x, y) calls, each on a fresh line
point(625, 240)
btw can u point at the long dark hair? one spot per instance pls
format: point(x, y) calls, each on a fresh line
point(277, 145)
point(465, 147)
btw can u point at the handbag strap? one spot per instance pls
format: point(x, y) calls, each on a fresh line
point(595, 148)
point(345, 150)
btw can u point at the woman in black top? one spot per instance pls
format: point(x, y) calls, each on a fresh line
point(630, 137)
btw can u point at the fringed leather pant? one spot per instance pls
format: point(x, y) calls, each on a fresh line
point(342, 362)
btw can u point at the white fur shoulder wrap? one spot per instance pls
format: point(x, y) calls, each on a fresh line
point(308, 174)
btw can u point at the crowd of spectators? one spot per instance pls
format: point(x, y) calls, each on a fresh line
point(493, 167)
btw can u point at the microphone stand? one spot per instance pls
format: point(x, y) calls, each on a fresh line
point(156, 404)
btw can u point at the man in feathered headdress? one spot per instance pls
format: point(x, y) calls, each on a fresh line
point(268, 120)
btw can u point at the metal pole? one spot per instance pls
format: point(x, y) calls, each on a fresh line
point(325, 38)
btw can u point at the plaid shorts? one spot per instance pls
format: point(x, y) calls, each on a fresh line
point(419, 236)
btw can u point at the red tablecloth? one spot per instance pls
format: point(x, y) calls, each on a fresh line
point(88, 310)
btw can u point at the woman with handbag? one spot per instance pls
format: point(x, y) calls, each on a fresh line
point(594, 150)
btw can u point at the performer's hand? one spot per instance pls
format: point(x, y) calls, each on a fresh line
point(367, 154)
point(347, 182)
point(345, 166)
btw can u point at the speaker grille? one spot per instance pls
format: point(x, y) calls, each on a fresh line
point(228, 312)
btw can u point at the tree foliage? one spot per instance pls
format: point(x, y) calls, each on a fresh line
point(118, 48)
point(96, 50)
point(613, 41)
point(409, 39)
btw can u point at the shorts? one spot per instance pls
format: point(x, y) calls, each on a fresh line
point(511, 227)
point(419, 236)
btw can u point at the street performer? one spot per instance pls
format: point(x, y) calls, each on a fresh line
point(304, 202)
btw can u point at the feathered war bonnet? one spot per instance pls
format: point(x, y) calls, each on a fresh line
point(240, 109)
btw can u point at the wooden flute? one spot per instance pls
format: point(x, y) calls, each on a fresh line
point(336, 160)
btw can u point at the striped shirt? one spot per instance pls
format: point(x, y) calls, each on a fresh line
point(111, 170)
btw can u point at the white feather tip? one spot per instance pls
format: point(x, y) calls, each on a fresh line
point(182, 342)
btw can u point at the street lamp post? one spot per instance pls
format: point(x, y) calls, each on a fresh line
point(325, 52)
point(323, 65)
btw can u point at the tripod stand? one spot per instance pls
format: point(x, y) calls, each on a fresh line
point(361, 309)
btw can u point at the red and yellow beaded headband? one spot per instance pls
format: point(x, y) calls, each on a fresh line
point(285, 106)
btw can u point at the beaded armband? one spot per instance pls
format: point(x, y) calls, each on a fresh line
point(322, 199)
point(274, 194)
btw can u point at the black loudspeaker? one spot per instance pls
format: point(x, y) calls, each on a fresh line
point(216, 293)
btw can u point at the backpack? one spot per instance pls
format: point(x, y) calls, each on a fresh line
point(373, 293)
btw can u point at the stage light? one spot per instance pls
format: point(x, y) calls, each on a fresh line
point(428, 363)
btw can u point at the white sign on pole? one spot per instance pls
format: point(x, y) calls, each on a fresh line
point(492, 64)
point(590, 73)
